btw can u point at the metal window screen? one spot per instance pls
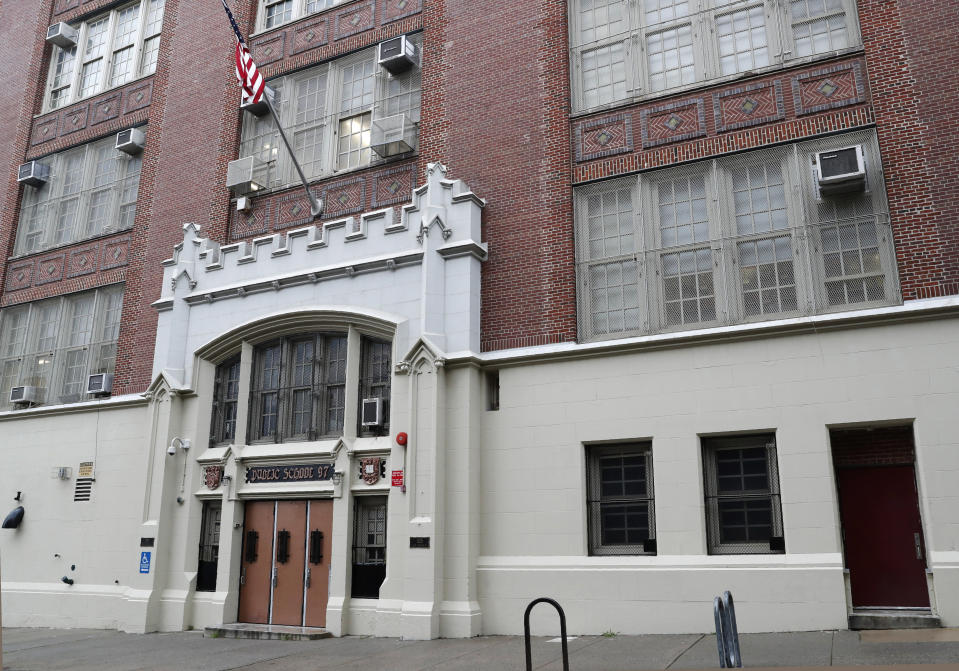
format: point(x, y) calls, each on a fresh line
point(736, 239)
point(620, 499)
point(743, 507)
point(375, 375)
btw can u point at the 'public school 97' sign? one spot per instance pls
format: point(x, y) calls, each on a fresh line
point(293, 473)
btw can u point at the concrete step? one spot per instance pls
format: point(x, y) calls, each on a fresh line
point(920, 618)
point(266, 632)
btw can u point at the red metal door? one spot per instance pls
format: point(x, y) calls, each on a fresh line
point(882, 536)
point(257, 561)
point(290, 556)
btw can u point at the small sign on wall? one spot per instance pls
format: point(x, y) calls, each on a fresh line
point(397, 479)
point(145, 562)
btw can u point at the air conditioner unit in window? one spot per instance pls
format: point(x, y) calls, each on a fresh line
point(63, 35)
point(25, 395)
point(840, 171)
point(242, 175)
point(100, 384)
point(393, 135)
point(260, 108)
point(372, 412)
point(33, 173)
point(131, 141)
point(397, 55)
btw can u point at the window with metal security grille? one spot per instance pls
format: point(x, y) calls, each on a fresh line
point(626, 49)
point(328, 112)
point(209, 546)
point(619, 490)
point(369, 547)
point(743, 508)
point(53, 345)
point(91, 191)
point(226, 394)
point(273, 13)
point(731, 240)
point(112, 49)
point(299, 388)
point(375, 375)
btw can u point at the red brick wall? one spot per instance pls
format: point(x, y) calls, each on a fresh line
point(495, 110)
point(881, 446)
point(911, 52)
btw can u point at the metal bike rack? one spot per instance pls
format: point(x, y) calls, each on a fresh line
point(562, 629)
point(727, 635)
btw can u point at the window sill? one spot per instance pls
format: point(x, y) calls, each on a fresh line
point(719, 81)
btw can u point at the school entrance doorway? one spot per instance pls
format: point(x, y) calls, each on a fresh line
point(879, 508)
point(285, 567)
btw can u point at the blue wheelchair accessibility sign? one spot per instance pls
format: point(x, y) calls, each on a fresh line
point(144, 562)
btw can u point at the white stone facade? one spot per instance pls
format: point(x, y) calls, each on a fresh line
point(500, 493)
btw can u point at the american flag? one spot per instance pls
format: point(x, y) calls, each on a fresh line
point(250, 79)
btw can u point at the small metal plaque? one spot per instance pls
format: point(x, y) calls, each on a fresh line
point(85, 470)
point(419, 541)
point(146, 542)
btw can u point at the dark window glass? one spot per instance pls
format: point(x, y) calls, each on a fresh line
point(620, 499)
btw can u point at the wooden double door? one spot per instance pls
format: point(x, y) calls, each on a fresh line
point(285, 568)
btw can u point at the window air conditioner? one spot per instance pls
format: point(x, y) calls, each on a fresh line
point(397, 55)
point(241, 175)
point(33, 173)
point(25, 395)
point(372, 412)
point(131, 141)
point(100, 384)
point(63, 35)
point(260, 108)
point(393, 135)
point(840, 171)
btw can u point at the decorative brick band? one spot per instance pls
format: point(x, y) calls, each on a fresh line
point(86, 258)
point(91, 119)
point(675, 122)
point(368, 189)
point(63, 287)
point(606, 136)
point(828, 88)
point(747, 106)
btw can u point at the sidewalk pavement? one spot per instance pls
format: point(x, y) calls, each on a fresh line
point(97, 650)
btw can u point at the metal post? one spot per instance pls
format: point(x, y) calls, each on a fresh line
point(562, 629)
point(316, 206)
point(727, 633)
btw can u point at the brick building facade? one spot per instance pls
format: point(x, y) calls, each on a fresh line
point(610, 263)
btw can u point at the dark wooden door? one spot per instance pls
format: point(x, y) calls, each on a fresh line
point(319, 534)
point(290, 556)
point(882, 536)
point(256, 563)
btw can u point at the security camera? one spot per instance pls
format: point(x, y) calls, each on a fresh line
point(171, 450)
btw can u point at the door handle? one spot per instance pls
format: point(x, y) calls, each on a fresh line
point(274, 577)
point(242, 576)
point(918, 545)
point(307, 576)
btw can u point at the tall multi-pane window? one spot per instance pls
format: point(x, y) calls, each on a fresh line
point(619, 488)
point(273, 13)
point(225, 396)
point(330, 111)
point(298, 390)
point(624, 49)
point(91, 191)
point(375, 375)
point(53, 345)
point(369, 547)
point(743, 508)
point(112, 49)
point(731, 240)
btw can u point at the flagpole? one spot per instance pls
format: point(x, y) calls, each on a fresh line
point(316, 205)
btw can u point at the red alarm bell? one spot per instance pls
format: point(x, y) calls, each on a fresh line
point(401, 438)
